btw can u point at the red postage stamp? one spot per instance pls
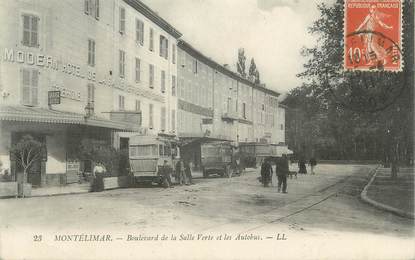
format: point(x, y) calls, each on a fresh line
point(373, 35)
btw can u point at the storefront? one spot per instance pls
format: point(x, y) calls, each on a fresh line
point(61, 134)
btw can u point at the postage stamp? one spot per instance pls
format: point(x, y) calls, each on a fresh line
point(373, 35)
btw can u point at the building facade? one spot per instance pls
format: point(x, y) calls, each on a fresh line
point(215, 103)
point(114, 63)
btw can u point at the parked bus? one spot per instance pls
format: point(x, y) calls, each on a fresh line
point(216, 158)
point(252, 154)
point(147, 154)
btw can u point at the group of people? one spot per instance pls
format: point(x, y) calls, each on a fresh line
point(282, 170)
point(183, 173)
point(302, 165)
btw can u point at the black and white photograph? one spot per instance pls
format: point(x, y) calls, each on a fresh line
point(207, 129)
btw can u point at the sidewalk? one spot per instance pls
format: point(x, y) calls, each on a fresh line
point(396, 196)
point(61, 190)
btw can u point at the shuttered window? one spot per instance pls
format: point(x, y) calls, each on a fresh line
point(122, 63)
point(173, 120)
point(91, 7)
point(164, 47)
point(122, 20)
point(139, 32)
point(163, 119)
point(163, 81)
point(151, 76)
point(137, 69)
point(173, 54)
point(173, 85)
point(91, 52)
point(137, 105)
point(30, 82)
point(151, 39)
point(30, 30)
point(150, 116)
point(121, 103)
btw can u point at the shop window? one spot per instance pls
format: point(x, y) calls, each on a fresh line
point(139, 32)
point(91, 52)
point(122, 63)
point(122, 20)
point(151, 75)
point(30, 30)
point(163, 81)
point(30, 82)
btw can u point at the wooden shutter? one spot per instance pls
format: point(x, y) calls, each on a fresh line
point(141, 33)
point(26, 86)
point(97, 9)
point(163, 119)
point(151, 75)
point(163, 81)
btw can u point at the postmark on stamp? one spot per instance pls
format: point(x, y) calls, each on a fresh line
point(373, 35)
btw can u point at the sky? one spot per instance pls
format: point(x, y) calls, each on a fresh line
point(271, 31)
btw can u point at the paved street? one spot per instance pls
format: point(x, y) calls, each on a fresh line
point(316, 208)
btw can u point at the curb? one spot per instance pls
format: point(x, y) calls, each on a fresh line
point(365, 198)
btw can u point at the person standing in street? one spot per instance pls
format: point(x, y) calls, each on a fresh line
point(266, 172)
point(188, 173)
point(179, 172)
point(282, 172)
point(301, 166)
point(312, 163)
point(98, 174)
point(165, 173)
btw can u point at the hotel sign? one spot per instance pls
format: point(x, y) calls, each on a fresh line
point(54, 97)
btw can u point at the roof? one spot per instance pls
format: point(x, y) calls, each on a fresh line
point(154, 17)
point(43, 115)
point(185, 46)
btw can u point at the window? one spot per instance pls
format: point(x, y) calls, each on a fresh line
point(244, 110)
point(151, 39)
point(173, 85)
point(173, 120)
point(182, 90)
point(194, 66)
point(137, 69)
point(163, 81)
point(91, 7)
point(122, 64)
point(91, 53)
point(90, 99)
point(150, 117)
point(164, 47)
point(139, 32)
point(151, 75)
point(121, 103)
point(122, 20)
point(163, 119)
point(137, 105)
point(30, 80)
point(30, 30)
point(173, 53)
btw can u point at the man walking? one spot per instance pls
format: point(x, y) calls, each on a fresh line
point(179, 172)
point(188, 173)
point(282, 172)
point(312, 164)
point(266, 172)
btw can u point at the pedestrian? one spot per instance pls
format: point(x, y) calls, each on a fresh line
point(98, 174)
point(179, 172)
point(282, 172)
point(266, 172)
point(301, 166)
point(312, 163)
point(165, 173)
point(188, 172)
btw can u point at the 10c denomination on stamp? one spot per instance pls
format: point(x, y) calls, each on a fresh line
point(373, 35)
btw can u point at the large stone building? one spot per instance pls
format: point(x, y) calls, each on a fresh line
point(215, 103)
point(114, 63)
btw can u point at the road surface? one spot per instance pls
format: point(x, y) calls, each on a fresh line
point(321, 215)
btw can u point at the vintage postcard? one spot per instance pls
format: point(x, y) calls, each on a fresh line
point(207, 129)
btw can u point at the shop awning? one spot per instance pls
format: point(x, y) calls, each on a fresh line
point(50, 116)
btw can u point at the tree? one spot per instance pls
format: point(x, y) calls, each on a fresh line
point(26, 152)
point(241, 66)
point(253, 72)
